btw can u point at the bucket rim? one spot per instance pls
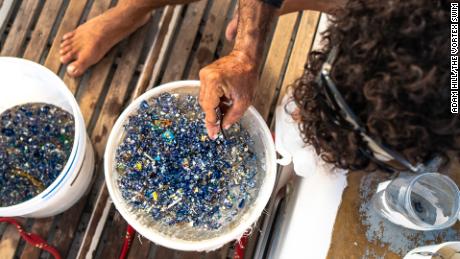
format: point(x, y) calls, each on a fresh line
point(78, 147)
point(150, 233)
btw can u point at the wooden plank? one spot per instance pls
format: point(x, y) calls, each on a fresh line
point(302, 46)
point(42, 30)
point(92, 235)
point(93, 88)
point(64, 229)
point(184, 42)
point(98, 7)
point(221, 253)
point(188, 255)
point(10, 240)
point(347, 211)
point(140, 247)
point(349, 239)
point(227, 45)
point(153, 57)
point(299, 54)
point(6, 10)
point(70, 21)
point(116, 236)
point(272, 70)
point(168, 38)
point(3, 226)
point(87, 246)
point(118, 89)
point(71, 83)
point(211, 33)
point(91, 91)
point(40, 227)
point(18, 31)
point(163, 252)
point(110, 110)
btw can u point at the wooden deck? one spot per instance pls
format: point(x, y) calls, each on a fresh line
point(174, 45)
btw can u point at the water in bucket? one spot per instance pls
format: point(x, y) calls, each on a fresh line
point(426, 201)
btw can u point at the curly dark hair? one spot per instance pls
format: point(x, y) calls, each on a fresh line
point(393, 71)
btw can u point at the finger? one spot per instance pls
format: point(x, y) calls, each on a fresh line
point(212, 124)
point(212, 129)
point(234, 113)
point(209, 100)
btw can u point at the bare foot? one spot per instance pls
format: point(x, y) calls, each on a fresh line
point(89, 42)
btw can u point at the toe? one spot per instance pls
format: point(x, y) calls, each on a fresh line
point(69, 56)
point(77, 68)
point(64, 50)
point(65, 43)
point(68, 35)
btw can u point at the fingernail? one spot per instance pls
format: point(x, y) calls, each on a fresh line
point(226, 127)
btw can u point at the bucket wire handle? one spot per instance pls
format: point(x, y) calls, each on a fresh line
point(220, 118)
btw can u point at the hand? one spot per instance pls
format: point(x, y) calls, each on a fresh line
point(232, 78)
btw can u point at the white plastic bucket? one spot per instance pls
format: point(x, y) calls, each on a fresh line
point(23, 81)
point(264, 143)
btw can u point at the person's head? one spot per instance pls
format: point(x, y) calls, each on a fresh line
point(392, 68)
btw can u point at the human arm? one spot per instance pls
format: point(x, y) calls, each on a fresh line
point(235, 77)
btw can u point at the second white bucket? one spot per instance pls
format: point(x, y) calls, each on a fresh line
point(23, 81)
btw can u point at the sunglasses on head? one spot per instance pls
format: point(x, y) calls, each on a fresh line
point(343, 114)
